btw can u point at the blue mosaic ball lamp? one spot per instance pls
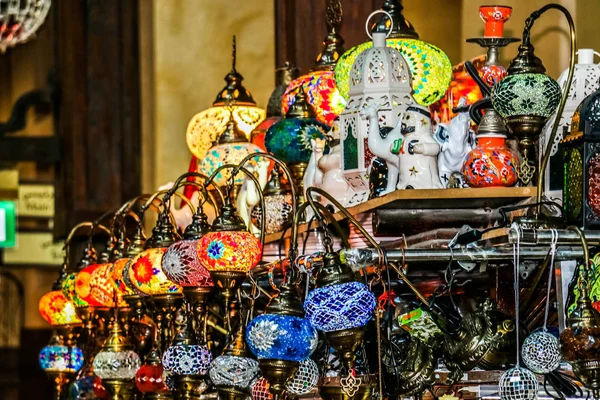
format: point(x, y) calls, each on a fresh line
point(60, 363)
point(526, 98)
point(185, 359)
point(281, 338)
point(341, 307)
point(290, 138)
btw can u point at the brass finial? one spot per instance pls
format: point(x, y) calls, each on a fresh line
point(401, 28)
point(301, 108)
point(333, 45)
point(117, 340)
point(286, 303)
point(183, 327)
point(232, 134)
point(89, 258)
point(234, 93)
point(283, 77)
point(163, 234)
point(491, 124)
point(237, 346)
point(229, 219)
point(526, 61)
point(136, 244)
point(198, 227)
point(334, 271)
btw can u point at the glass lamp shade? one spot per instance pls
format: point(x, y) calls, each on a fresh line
point(279, 212)
point(147, 275)
point(88, 387)
point(116, 364)
point(281, 337)
point(229, 251)
point(341, 306)
point(205, 127)
point(234, 371)
point(257, 136)
point(68, 289)
point(187, 359)
point(182, 266)
point(321, 93)
point(228, 153)
point(526, 94)
point(289, 139)
point(305, 379)
point(430, 68)
point(118, 278)
point(57, 310)
point(150, 379)
point(56, 358)
point(83, 287)
point(260, 390)
point(102, 288)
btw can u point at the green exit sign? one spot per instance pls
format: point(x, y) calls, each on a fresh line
point(8, 224)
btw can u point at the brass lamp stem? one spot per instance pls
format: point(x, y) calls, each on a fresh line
point(565, 94)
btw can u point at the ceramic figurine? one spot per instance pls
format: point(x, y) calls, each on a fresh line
point(417, 151)
point(248, 196)
point(455, 147)
point(380, 142)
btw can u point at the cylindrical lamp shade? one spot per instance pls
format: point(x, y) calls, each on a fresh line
point(147, 276)
point(187, 360)
point(229, 251)
point(282, 337)
point(57, 310)
point(56, 358)
point(182, 265)
point(116, 364)
point(430, 68)
point(526, 94)
point(341, 306)
point(321, 93)
point(234, 371)
point(290, 139)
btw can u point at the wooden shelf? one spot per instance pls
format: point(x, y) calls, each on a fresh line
point(431, 198)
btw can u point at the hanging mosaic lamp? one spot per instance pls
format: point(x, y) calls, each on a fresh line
point(341, 307)
point(260, 390)
point(56, 309)
point(290, 139)
point(233, 146)
point(61, 364)
point(150, 378)
point(235, 102)
point(278, 203)
point(281, 338)
point(305, 379)
point(430, 68)
point(319, 84)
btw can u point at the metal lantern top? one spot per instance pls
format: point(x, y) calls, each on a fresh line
point(585, 123)
point(19, 20)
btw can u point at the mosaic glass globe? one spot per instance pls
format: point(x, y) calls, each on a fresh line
point(260, 390)
point(68, 289)
point(228, 153)
point(102, 288)
point(289, 139)
point(305, 379)
point(342, 306)
point(56, 358)
point(116, 364)
point(57, 310)
point(147, 276)
point(518, 384)
point(116, 274)
point(540, 352)
point(526, 94)
point(88, 387)
point(83, 287)
point(321, 93)
point(281, 337)
point(150, 378)
point(182, 266)
point(430, 68)
point(279, 212)
point(234, 371)
point(229, 251)
point(187, 359)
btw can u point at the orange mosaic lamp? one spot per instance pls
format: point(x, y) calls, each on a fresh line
point(147, 276)
point(57, 310)
point(103, 289)
point(118, 280)
point(83, 285)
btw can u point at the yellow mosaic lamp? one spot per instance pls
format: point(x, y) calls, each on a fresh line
point(57, 310)
point(233, 101)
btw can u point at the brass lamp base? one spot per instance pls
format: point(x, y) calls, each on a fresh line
point(297, 171)
point(278, 372)
point(232, 393)
point(228, 282)
point(527, 129)
point(197, 297)
point(166, 305)
point(345, 343)
point(157, 396)
point(118, 389)
point(185, 386)
point(61, 381)
point(588, 371)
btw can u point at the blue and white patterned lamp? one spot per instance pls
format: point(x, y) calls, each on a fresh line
point(59, 358)
point(281, 339)
point(341, 307)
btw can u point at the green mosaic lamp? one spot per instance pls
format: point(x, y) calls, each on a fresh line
point(526, 99)
point(430, 68)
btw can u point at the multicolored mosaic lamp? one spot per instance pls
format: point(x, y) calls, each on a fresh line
point(319, 84)
point(60, 363)
point(150, 378)
point(290, 139)
point(57, 310)
point(341, 307)
point(233, 146)
point(430, 68)
point(235, 102)
point(281, 338)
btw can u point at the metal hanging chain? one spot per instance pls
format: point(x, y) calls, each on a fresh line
point(516, 249)
point(554, 233)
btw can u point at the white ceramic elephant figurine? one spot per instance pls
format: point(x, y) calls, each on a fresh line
point(248, 197)
point(455, 146)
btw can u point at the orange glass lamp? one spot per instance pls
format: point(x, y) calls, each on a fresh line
point(319, 84)
point(234, 100)
point(57, 310)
